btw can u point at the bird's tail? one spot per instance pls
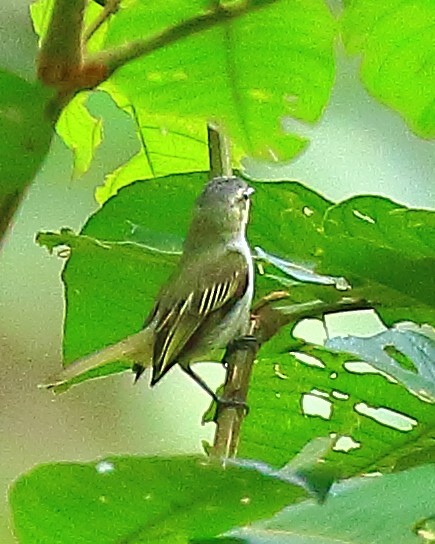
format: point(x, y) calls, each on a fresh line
point(135, 349)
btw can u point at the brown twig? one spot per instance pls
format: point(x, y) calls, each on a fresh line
point(110, 8)
point(61, 63)
point(219, 152)
point(61, 54)
point(115, 58)
point(268, 320)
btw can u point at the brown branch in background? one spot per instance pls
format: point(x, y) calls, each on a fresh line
point(61, 53)
point(117, 57)
point(61, 63)
point(267, 320)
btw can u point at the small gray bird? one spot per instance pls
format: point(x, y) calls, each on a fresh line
point(205, 304)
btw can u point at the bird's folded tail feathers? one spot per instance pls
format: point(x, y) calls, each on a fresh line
point(136, 349)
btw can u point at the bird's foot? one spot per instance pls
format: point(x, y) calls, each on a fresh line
point(223, 403)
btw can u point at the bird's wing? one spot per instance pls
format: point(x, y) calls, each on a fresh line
point(197, 294)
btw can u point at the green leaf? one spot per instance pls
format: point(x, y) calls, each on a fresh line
point(24, 119)
point(40, 12)
point(425, 528)
point(360, 511)
point(305, 469)
point(168, 144)
point(396, 42)
point(379, 425)
point(138, 500)
point(364, 235)
point(357, 239)
point(246, 74)
point(416, 347)
point(81, 132)
point(223, 540)
point(96, 267)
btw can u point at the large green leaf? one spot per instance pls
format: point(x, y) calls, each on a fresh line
point(236, 74)
point(393, 508)
point(27, 130)
point(108, 289)
point(141, 500)
point(397, 43)
point(316, 392)
point(386, 251)
point(247, 73)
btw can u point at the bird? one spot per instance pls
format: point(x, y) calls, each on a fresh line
point(205, 304)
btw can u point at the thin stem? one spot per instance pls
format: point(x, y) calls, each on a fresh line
point(117, 57)
point(110, 8)
point(61, 62)
point(267, 321)
point(219, 152)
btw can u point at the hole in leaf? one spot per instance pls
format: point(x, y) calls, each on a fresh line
point(307, 359)
point(359, 367)
point(387, 417)
point(278, 373)
point(310, 330)
point(320, 393)
point(313, 405)
point(339, 395)
point(364, 217)
point(105, 467)
point(400, 358)
point(63, 252)
point(346, 443)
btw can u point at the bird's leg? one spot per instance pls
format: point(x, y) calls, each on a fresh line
point(200, 382)
point(218, 400)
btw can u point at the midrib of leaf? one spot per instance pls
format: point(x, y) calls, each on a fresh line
point(142, 140)
point(231, 72)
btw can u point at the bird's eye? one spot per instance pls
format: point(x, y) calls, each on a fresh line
point(248, 192)
point(244, 194)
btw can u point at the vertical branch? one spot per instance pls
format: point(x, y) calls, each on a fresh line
point(267, 320)
point(219, 152)
point(61, 53)
point(229, 418)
